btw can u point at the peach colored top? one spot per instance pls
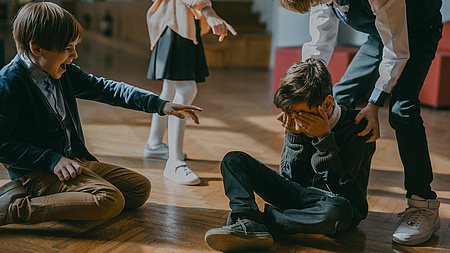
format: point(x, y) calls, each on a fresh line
point(179, 15)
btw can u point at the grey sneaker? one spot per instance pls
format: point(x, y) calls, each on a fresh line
point(160, 152)
point(243, 235)
point(418, 222)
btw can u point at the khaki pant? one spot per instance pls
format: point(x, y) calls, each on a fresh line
point(101, 192)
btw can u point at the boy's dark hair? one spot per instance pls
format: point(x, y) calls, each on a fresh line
point(302, 6)
point(307, 81)
point(47, 24)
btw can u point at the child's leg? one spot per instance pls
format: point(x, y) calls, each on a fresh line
point(361, 75)
point(243, 175)
point(87, 197)
point(134, 187)
point(176, 169)
point(327, 214)
point(159, 123)
point(185, 94)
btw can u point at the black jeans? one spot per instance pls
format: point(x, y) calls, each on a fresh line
point(404, 104)
point(295, 209)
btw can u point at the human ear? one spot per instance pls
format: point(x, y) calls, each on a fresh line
point(328, 103)
point(35, 48)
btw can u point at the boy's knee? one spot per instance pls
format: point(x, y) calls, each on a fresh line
point(233, 157)
point(338, 216)
point(139, 195)
point(110, 206)
point(405, 115)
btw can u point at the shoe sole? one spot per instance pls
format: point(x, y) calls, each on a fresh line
point(196, 182)
point(148, 154)
point(416, 241)
point(227, 241)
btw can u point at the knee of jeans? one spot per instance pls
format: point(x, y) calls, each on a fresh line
point(231, 157)
point(405, 115)
point(140, 195)
point(338, 216)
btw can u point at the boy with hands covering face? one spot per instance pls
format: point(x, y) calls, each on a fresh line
point(324, 170)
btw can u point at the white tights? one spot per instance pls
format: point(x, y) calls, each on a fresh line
point(180, 92)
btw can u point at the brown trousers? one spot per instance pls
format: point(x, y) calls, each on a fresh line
point(100, 192)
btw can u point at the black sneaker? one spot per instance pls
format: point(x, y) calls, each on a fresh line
point(243, 235)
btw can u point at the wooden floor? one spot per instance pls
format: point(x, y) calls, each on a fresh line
point(238, 116)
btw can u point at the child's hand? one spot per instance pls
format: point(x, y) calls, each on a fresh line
point(67, 169)
point(178, 110)
point(370, 112)
point(314, 125)
point(289, 123)
point(219, 26)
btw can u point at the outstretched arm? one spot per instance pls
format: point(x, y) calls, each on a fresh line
point(178, 110)
point(219, 26)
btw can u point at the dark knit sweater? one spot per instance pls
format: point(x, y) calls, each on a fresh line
point(339, 163)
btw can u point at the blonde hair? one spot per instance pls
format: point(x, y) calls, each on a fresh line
point(47, 24)
point(302, 6)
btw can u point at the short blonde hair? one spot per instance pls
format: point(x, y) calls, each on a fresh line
point(47, 24)
point(302, 6)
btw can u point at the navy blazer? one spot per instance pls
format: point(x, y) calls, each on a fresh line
point(32, 137)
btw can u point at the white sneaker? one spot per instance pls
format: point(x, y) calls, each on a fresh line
point(160, 152)
point(418, 222)
point(182, 175)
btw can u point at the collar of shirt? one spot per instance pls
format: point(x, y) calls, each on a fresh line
point(39, 77)
point(335, 116)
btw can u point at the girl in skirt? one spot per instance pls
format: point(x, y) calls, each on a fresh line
point(175, 29)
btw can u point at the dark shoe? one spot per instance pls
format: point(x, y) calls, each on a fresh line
point(243, 235)
point(8, 193)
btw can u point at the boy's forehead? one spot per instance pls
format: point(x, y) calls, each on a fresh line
point(75, 42)
point(301, 106)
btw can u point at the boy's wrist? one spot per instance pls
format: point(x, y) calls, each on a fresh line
point(323, 136)
point(326, 143)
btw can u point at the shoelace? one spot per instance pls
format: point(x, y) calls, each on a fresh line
point(241, 223)
point(413, 215)
point(185, 168)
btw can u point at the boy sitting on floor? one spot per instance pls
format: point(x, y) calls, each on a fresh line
point(54, 177)
point(324, 170)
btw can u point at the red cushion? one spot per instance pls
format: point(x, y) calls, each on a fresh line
point(284, 57)
point(436, 91)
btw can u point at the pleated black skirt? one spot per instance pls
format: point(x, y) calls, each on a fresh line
point(178, 59)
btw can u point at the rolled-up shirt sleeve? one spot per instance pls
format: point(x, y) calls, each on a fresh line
point(391, 24)
point(323, 27)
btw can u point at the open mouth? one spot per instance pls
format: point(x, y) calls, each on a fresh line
point(63, 66)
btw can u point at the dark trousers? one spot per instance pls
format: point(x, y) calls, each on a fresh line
point(293, 209)
point(404, 104)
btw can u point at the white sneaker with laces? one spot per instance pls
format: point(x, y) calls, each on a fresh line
point(160, 152)
point(418, 222)
point(181, 175)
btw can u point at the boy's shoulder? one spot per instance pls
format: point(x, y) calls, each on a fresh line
point(347, 122)
point(12, 71)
